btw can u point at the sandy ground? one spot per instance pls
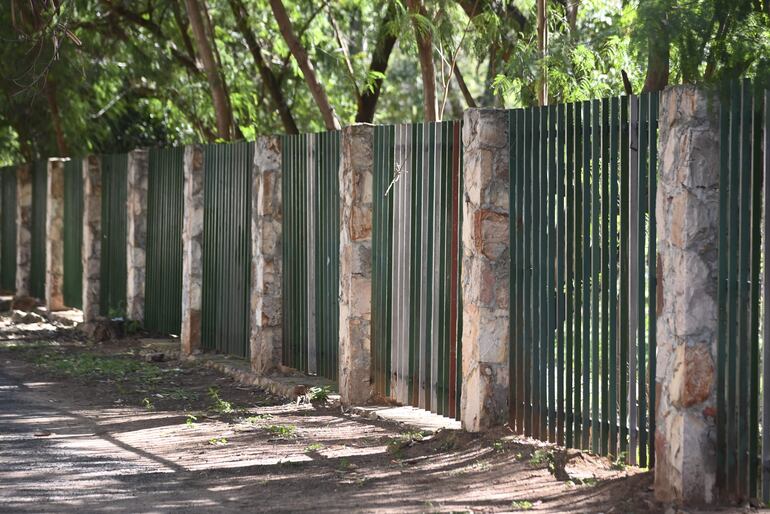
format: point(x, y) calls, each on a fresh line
point(95, 428)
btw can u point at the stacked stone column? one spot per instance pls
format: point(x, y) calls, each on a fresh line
point(54, 226)
point(192, 250)
point(356, 174)
point(687, 224)
point(266, 268)
point(136, 243)
point(485, 269)
point(23, 229)
point(92, 233)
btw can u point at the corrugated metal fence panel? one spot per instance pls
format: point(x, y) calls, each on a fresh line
point(73, 233)
point(415, 298)
point(326, 231)
point(582, 278)
point(39, 204)
point(742, 470)
point(311, 226)
point(113, 272)
point(382, 247)
point(295, 234)
point(227, 247)
point(8, 229)
point(163, 281)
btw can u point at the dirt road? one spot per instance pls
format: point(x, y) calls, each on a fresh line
point(96, 428)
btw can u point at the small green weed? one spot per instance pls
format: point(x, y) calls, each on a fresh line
point(404, 440)
point(219, 405)
point(133, 326)
point(190, 421)
point(218, 441)
point(541, 457)
point(521, 505)
point(258, 417)
point(179, 394)
point(282, 431)
point(319, 394)
point(619, 463)
point(498, 446)
point(314, 447)
point(147, 404)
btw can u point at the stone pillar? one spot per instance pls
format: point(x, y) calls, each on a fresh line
point(356, 174)
point(485, 263)
point(192, 250)
point(23, 229)
point(54, 229)
point(266, 265)
point(687, 226)
point(92, 234)
point(136, 230)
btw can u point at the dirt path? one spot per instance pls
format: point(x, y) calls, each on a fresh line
point(94, 428)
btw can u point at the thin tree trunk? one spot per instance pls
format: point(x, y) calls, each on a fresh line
point(222, 110)
point(265, 72)
point(300, 55)
point(367, 102)
point(658, 62)
point(464, 88)
point(542, 47)
point(425, 54)
point(572, 13)
point(53, 107)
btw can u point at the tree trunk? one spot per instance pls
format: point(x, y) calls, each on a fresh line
point(367, 102)
point(300, 55)
point(425, 54)
point(658, 62)
point(464, 88)
point(572, 13)
point(53, 107)
point(542, 47)
point(265, 72)
point(222, 109)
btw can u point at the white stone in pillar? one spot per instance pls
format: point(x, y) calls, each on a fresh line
point(92, 230)
point(136, 199)
point(356, 173)
point(192, 250)
point(485, 269)
point(23, 229)
point(54, 229)
point(687, 228)
point(266, 225)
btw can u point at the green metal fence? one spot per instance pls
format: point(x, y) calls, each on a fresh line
point(39, 203)
point(582, 348)
point(742, 469)
point(113, 274)
point(73, 233)
point(416, 267)
point(227, 247)
point(163, 285)
point(8, 228)
point(311, 224)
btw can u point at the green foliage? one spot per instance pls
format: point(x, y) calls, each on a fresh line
point(521, 505)
point(85, 365)
point(282, 431)
point(219, 405)
point(319, 394)
point(125, 74)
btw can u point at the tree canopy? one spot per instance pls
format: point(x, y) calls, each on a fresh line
point(80, 76)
